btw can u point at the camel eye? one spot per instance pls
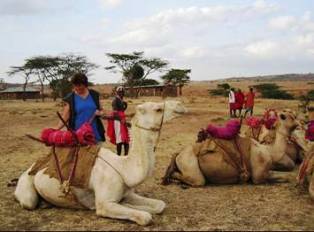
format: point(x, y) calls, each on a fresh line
point(283, 117)
point(159, 110)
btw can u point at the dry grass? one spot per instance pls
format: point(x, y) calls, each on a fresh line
point(229, 207)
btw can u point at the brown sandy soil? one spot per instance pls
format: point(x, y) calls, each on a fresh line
point(229, 207)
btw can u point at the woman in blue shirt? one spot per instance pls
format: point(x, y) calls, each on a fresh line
point(81, 105)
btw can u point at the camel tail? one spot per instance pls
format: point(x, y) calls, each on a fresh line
point(166, 180)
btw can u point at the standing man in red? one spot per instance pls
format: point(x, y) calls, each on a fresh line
point(249, 102)
point(239, 98)
point(117, 129)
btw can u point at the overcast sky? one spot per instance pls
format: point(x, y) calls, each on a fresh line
point(215, 38)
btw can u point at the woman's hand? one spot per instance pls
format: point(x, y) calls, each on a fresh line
point(99, 112)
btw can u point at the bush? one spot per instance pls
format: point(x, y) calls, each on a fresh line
point(272, 91)
point(218, 92)
point(221, 90)
point(310, 95)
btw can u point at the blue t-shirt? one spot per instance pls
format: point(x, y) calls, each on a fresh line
point(84, 111)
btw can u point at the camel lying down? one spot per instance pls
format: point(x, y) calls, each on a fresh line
point(217, 161)
point(266, 134)
point(113, 178)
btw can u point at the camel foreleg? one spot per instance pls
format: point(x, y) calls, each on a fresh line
point(136, 201)
point(277, 177)
point(286, 164)
point(118, 211)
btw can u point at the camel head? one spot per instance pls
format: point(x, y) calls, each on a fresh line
point(151, 115)
point(174, 109)
point(287, 119)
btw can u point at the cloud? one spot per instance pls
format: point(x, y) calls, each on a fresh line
point(30, 7)
point(110, 3)
point(21, 7)
point(174, 21)
point(303, 24)
point(193, 52)
point(283, 22)
point(264, 48)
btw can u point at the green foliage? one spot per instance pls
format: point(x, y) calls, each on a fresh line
point(221, 90)
point(60, 88)
point(218, 92)
point(224, 86)
point(134, 75)
point(178, 77)
point(134, 67)
point(266, 87)
point(310, 95)
point(56, 70)
point(272, 91)
point(149, 82)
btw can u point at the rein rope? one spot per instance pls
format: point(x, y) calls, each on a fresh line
point(303, 169)
point(155, 129)
point(241, 166)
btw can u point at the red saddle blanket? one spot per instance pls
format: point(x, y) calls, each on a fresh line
point(229, 131)
point(84, 135)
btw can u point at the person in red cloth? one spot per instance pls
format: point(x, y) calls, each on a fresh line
point(249, 102)
point(117, 129)
point(231, 99)
point(239, 101)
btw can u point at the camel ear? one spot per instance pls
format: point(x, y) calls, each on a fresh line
point(283, 117)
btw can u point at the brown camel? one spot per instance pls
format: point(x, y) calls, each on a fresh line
point(267, 136)
point(232, 161)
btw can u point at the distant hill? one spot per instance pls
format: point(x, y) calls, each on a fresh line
point(281, 77)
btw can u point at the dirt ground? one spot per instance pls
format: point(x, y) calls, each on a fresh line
point(229, 207)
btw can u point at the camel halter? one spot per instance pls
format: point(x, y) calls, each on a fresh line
point(155, 129)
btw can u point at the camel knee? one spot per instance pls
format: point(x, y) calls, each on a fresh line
point(196, 181)
point(25, 192)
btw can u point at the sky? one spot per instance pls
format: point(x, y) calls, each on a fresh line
point(214, 38)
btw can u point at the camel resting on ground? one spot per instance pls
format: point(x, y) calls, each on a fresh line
point(209, 160)
point(113, 178)
point(266, 135)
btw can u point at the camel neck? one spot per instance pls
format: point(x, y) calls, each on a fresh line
point(141, 157)
point(280, 144)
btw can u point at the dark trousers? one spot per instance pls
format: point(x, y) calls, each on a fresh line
point(119, 148)
point(250, 109)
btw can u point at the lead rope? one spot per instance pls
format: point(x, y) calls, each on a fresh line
point(161, 123)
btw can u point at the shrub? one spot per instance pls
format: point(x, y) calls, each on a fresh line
point(271, 90)
point(221, 90)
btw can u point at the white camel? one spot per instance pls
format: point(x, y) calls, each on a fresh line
point(113, 178)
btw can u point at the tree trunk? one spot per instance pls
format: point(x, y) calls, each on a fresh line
point(180, 90)
point(24, 90)
point(42, 92)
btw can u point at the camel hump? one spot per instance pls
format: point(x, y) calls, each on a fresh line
point(229, 131)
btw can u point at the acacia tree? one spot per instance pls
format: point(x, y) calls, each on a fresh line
point(57, 70)
point(134, 67)
point(178, 77)
point(69, 65)
point(26, 73)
